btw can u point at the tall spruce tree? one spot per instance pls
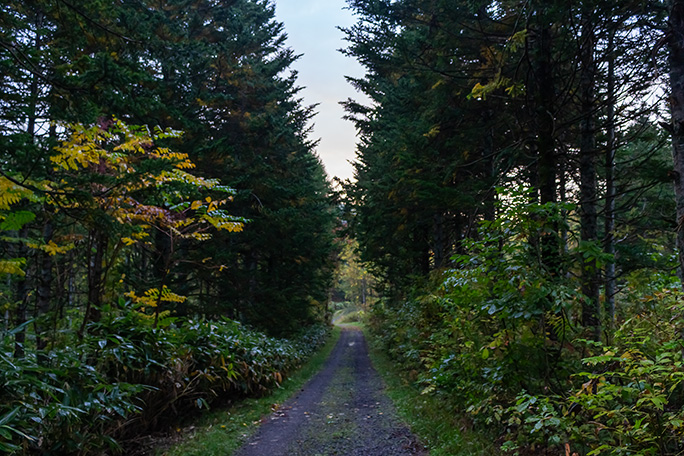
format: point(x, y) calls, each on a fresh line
point(219, 71)
point(472, 95)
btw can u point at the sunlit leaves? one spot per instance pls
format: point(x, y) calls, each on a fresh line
point(14, 266)
point(51, 248)
point(11, 193)
point(153, 297)
point(121, 160)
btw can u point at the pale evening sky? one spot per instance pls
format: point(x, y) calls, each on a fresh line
point(311, 29)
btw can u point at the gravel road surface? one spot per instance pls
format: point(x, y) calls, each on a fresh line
point(341, 411)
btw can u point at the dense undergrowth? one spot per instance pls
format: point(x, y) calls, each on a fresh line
point(499, 341)
point(591, 397)
point(90, 395)
point(223, 431)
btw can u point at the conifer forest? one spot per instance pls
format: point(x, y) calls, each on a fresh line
point(512, 238)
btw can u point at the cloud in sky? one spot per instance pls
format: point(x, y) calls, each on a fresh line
point(311, 26)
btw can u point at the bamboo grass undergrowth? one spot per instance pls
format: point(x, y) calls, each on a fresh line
point(221, 432)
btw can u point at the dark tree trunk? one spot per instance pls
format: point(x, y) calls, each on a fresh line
point(44, 289)
point(162, 266)
point(546, 149)
point(489, 209)
point(588, 183)
point(609, 242)
point(439, 241)
point(98, 246)
point(676, 46)
point(21, 297)
point(547, 157)
point(22, 286)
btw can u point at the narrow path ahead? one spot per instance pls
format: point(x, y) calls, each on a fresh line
point(341, 411)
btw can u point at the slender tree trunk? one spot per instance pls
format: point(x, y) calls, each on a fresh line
point(609, 242)
point(21, 298)
point(439, 243)
point(489, 209)
point(34, 88)
point(162, 266)
point(20, 317)
point(22, 291)
point(44, 289)
point(424, 256)
point(250, 294)
point(363, 292)
point(547, 158)
point(44, 295)
point(676, 47)
point(546, 149)
point(98, 246)
point(563, 198)
point(588, 184)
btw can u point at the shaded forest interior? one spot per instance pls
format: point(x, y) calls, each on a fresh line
point(158, 184)
point(515, 198)
point(513, 233)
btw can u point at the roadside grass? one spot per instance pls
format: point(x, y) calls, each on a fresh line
point(222, 432)
point(436, 426)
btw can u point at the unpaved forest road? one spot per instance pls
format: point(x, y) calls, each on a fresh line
point(341, 411)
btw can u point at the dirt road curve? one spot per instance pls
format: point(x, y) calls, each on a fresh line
point(341, 411)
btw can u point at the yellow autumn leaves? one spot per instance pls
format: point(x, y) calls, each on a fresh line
point(152, 297)
point(119, 172)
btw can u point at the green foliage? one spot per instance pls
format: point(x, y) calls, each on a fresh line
point(221, 432)
point(127, 377)
point(93, 208)
point(425, 162)
point(354, 282)
point(219, 74)
point(496, 324)
point(496, 339)
point(441, 429)
point(16, 220)
point(489, 295)
point(61, 404)
point(627, 400)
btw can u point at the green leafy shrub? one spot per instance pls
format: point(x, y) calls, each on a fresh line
point(62, 404)
point(629, 398)
point(498, 338)
point(497, 323)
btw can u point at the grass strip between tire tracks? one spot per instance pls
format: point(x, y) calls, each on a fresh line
point(222, 432)
point(429, 418)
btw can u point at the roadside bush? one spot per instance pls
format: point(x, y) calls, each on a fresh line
point(499, 340)
point(532, 381)
point(495, 324)
point(61, 405)
point(127, 378)
point(629, 398)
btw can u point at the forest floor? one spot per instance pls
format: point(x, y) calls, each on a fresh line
point(342, 411)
